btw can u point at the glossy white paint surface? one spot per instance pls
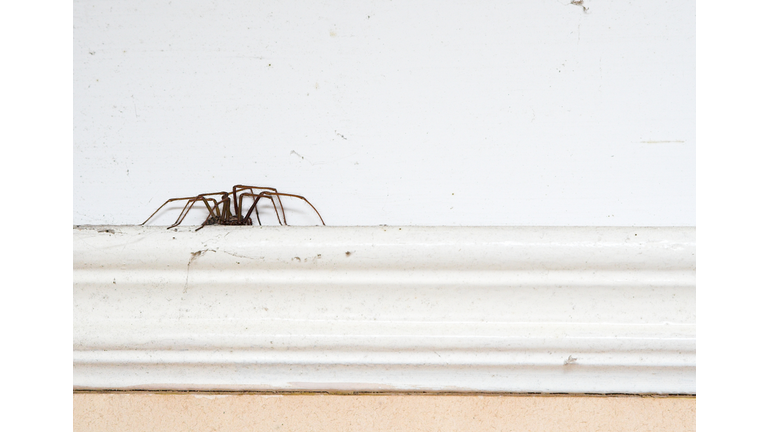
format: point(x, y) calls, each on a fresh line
point(390, 112)
point(608, 310)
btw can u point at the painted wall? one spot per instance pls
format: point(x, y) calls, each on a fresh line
point(390, 112)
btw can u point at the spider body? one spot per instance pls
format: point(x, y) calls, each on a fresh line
point(217, 220)
point(220, 210)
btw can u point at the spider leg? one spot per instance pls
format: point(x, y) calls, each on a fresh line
point(258, 219)
point(170, 200)
point(204, 224)
point(212, 211)
point(184, 211)
point(226, 212)
point(256, 201)
point(275, 206)
point(296, 196)
point(242, 219)
point(251, 188)
point(238, 206)
point(282, 209)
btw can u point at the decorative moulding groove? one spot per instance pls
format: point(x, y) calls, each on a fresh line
point(508, 309)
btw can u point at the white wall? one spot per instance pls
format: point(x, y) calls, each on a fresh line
point(379, 112)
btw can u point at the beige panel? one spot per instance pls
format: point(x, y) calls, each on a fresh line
point(255, 412)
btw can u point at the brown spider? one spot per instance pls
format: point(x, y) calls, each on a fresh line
point(220, 211)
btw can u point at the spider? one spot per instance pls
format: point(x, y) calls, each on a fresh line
point(220, 211)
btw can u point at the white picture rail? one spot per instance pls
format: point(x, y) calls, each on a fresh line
point(459, 309)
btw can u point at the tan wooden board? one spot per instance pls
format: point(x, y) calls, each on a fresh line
point(144, 411)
